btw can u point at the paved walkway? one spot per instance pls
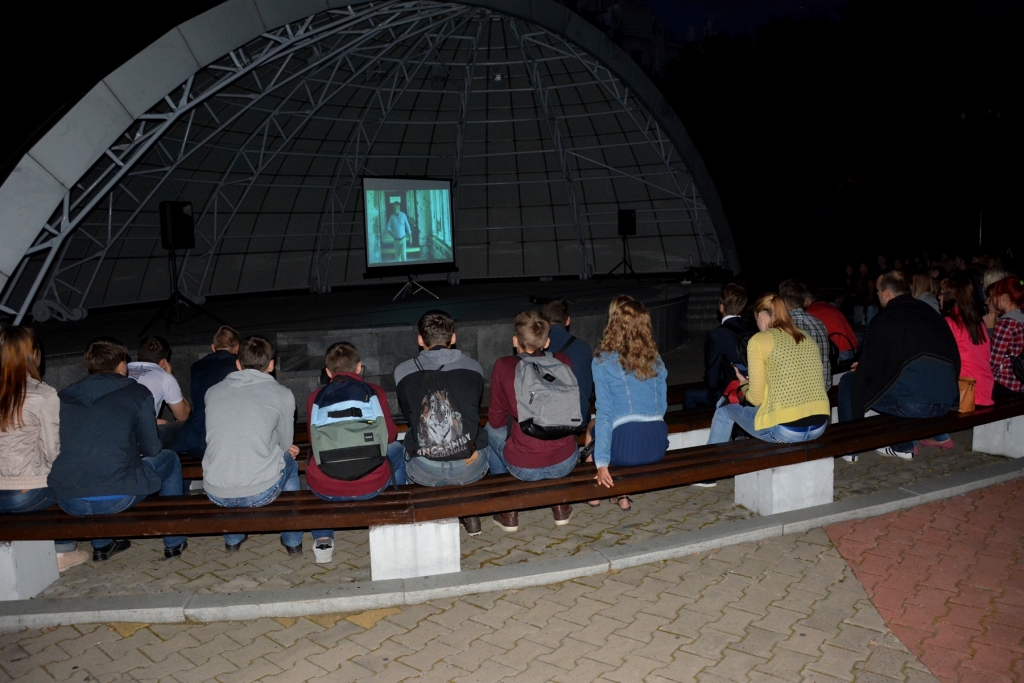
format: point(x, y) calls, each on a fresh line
point(262, 564)
point(948, 578)
point(785, 609)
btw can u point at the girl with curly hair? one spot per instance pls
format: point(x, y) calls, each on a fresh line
point(632, 395)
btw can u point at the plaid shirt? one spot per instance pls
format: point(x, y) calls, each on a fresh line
point(1007, 342)
point(814, 327)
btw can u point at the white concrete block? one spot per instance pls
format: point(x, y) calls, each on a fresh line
point(1005, 437)
point(280, 12)
point(26, 568)
point(781, 489)
point(697, 437)
point(154, 72)
point(27, 200)
point(404, 551)
point(219, 30)
point(75, 142)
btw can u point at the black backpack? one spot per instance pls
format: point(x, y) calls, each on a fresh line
point(1018, 366)
point(441, 433)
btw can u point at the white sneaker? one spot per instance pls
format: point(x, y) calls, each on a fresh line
point(323, 550)
point(850, 458)
point(705, 484)
point(891, 452)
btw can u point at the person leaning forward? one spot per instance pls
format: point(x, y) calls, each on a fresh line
point(439, 393)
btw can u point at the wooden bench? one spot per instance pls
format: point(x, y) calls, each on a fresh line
point(398, 520)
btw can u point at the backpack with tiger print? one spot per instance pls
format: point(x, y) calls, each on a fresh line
point(440, 430)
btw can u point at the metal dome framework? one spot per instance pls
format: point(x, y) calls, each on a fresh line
point(543, 143)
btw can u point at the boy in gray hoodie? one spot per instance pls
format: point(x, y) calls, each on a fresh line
point(250, 457)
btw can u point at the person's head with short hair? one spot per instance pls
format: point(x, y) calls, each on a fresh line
point(155, 350)
point(733, 300)
point(19, 360)
point(226, 339)
point(630, 334)
point(557, 312)
point(395, 208)
point(891, 285)
point(616, 303)
point(992, 276)
point(531, 332)
point(256, 353)
point(793, 293)
point(436, 328)
point(106, 354)
point(341, 358)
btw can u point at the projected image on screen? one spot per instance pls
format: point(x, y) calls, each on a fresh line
point(407, 222)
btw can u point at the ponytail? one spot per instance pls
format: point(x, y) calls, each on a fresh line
point(776, 308)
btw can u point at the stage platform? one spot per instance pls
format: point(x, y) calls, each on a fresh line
point(303, 325)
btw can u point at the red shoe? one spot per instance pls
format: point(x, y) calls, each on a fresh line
point(932, 443)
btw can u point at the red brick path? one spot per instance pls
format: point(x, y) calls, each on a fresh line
point(948, 578)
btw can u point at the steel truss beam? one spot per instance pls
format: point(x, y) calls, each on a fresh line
point(281, 82)
point(543, 95)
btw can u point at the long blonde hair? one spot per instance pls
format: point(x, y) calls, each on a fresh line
point(630, 334)
point(613, 307)
point(776, 308)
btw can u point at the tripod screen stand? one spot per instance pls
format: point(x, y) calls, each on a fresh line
point(412, 288)
point(176, 303)
point(627, 229)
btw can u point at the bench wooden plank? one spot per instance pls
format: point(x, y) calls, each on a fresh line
point(300, 510)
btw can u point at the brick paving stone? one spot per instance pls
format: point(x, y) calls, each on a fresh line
point(947, 581)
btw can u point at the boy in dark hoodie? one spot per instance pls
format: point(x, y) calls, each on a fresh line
point(106, 422)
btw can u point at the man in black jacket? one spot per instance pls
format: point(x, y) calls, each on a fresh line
point(206, 372)
point(721, 349)
point(909, 363)
point(106, 422)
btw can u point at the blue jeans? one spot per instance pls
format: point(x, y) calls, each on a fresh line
point(447, 472)
point(889, 404)
point(289, 481)
point(33, 500)
point(167, 467)
point(733, 413)
point(498, 465)
point(396, 457)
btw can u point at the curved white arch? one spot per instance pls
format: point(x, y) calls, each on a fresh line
point(50, 173)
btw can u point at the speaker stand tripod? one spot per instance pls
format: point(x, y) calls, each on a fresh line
point(625, 263)
point(172, 308)
point(412, 288)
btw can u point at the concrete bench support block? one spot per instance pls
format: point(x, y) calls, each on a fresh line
point(405, 551)
point(781, 489)
point(26, 568)
point(1005, 437)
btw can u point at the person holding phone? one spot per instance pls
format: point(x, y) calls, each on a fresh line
point(784, 385)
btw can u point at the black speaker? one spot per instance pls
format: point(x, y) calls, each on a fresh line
point(177, 230)
point(627, 222)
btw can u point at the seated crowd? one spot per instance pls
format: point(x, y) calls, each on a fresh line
point(97, 446)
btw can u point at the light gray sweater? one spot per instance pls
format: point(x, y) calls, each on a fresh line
point(249, 428)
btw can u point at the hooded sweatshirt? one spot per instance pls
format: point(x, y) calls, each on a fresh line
point(106, 423)
point(249, 427)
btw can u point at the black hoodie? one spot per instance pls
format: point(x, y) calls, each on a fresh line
point(106, 423)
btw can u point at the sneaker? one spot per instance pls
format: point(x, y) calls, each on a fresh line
point(176, 551)
point(891, 452)
point(851, 458)
point(705, 484)
point(116, 546)
point(508, 521)
point(472, 525)
point(323, 550)
point(68, 560)
point(235, 547)
point(562, 514)
point(932, 443)
point(293, 550)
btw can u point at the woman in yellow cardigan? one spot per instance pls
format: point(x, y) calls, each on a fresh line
point(785, 385)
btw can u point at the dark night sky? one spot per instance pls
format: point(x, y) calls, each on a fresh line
point(832, 128)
